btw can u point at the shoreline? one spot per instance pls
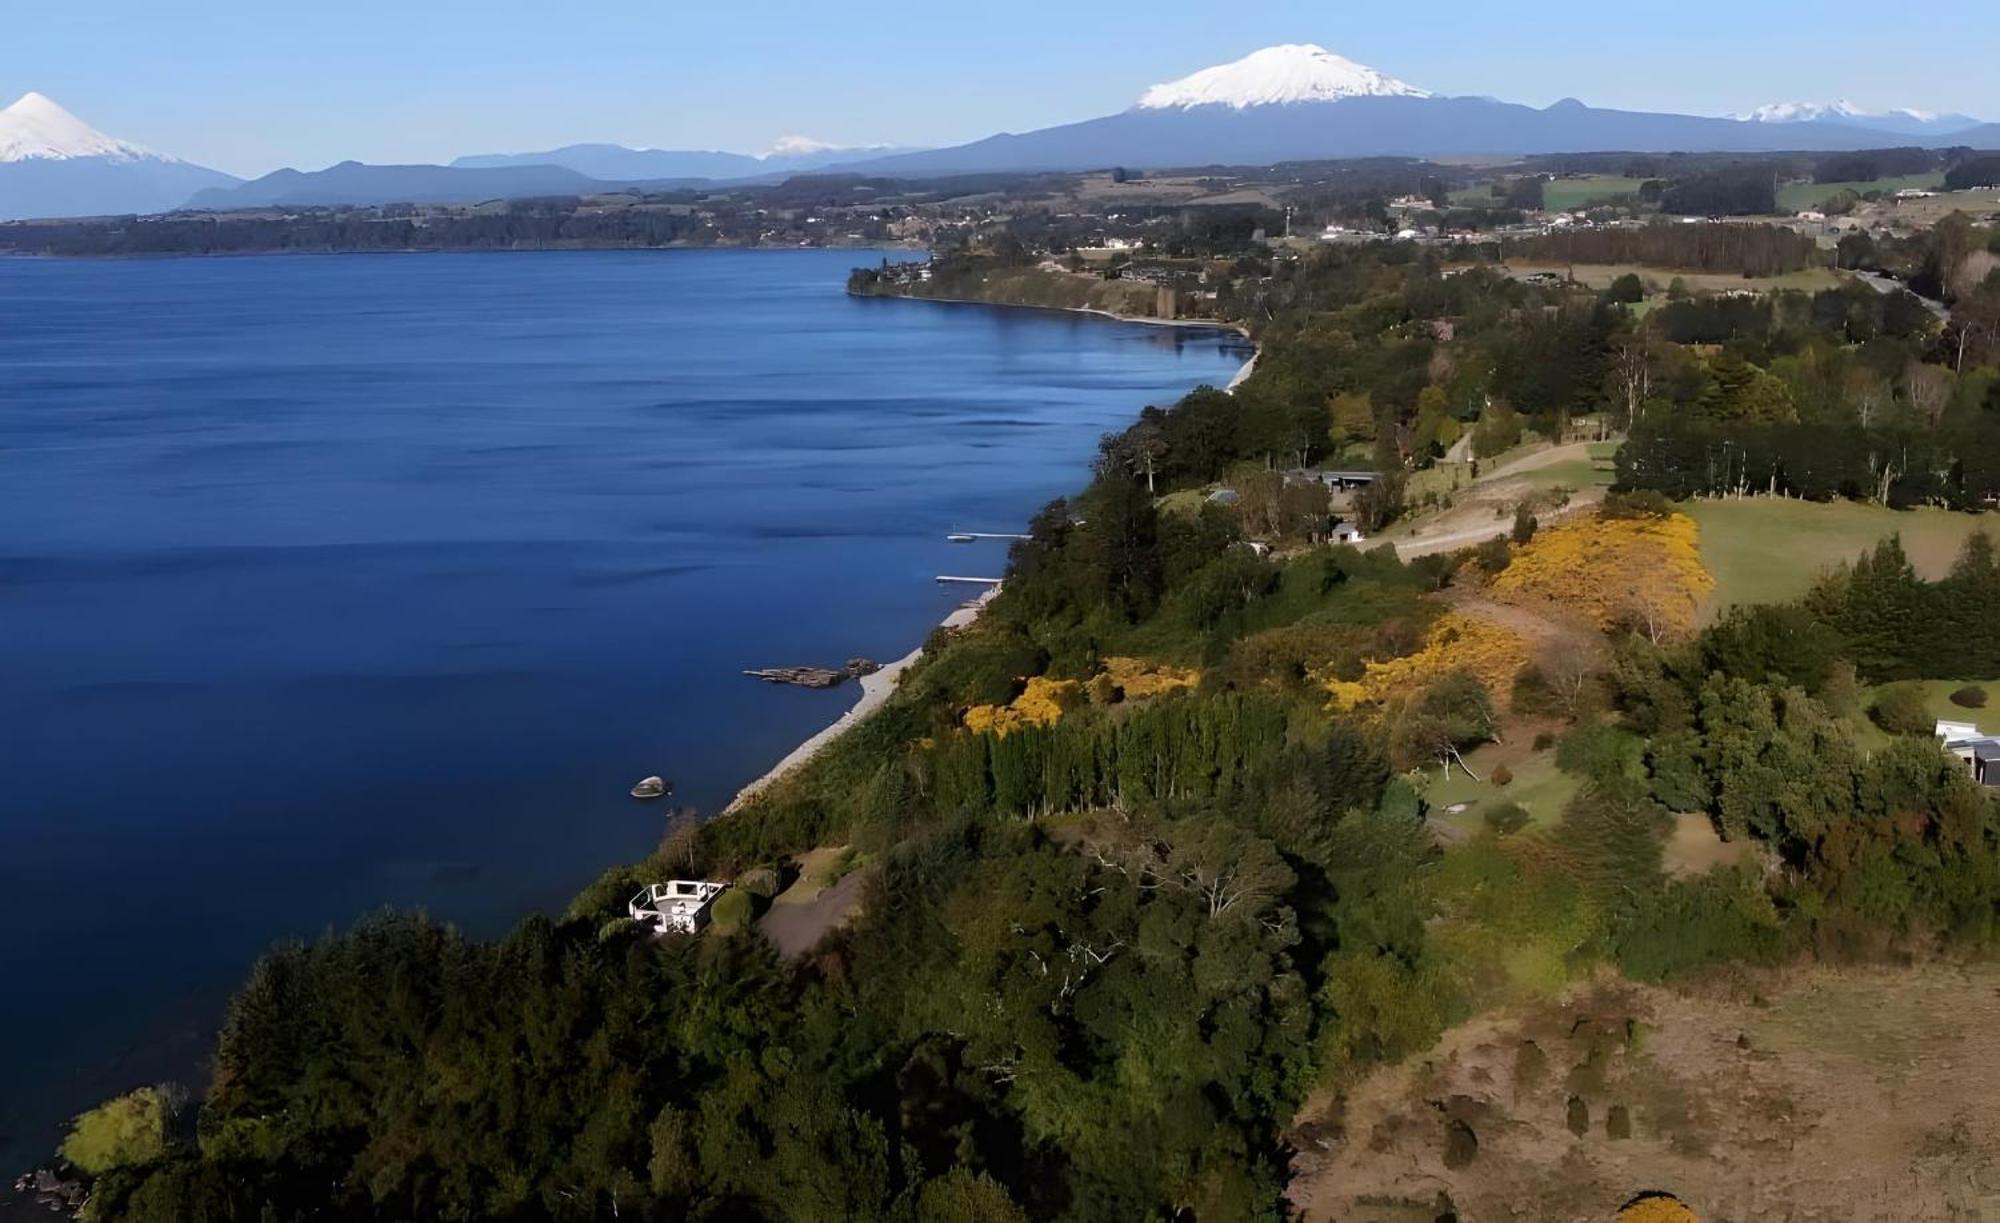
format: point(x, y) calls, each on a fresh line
point(1092, 311)
point(877, 688)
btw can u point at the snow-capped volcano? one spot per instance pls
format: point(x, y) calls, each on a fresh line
point(1294, 72)
point(35, 128)
point(1903, 120)
point(54, 164)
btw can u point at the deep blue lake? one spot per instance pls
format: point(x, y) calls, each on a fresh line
point(328, 583)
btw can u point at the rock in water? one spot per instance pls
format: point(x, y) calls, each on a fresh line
point(652, 787)
point(858, 667)
point(804, 677)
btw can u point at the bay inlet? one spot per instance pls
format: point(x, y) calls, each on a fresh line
point(336, 582)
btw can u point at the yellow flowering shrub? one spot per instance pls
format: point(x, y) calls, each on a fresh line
point(1658, 1209)
point(1493, 653)
point(1140, 679)
point(1647, 570)
point(1042, 703)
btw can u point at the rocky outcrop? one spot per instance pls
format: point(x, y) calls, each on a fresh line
point(803, 677)
point(52, 1190)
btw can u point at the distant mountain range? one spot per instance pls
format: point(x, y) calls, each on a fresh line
point(1302, 103)
point(616, 163)
point(1894, 122)
point(351, 182)
point(54, 164)
point(1296, 102)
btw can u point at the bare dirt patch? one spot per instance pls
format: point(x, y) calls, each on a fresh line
point(1484, 508)
point(1807, 1094)
point(810, 909)
point(1695, 848)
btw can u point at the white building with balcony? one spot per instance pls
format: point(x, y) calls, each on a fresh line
point(676, 906)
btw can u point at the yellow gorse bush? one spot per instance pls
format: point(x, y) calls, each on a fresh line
point(1140, 679)
point(1644, 570)
point(1042, 703)
point(1493, 653)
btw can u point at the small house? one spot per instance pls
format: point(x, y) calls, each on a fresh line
point(1342, 481)
point(676, 906)
point(1347, 533)
point(1980, 752)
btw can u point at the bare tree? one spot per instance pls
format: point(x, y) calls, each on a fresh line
point(1869, 392)
point(1230, 869)
point(1929, 389)
point(1632, 368)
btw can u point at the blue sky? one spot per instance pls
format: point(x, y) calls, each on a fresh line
point(250, 86)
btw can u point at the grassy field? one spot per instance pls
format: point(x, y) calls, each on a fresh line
point(1595, 471)
point(1567, 194)
point(1600, 276)
point(1562, 195)
point(1923, 213)
point(1768, 550)
point(1794, 196)
point(1542, 789)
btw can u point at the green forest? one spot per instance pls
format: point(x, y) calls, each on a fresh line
point(1108, 950)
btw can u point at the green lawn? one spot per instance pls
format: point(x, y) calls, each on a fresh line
point(1794, 196)
point(1769, 550)
point(1542, 790)
point(1937, 699)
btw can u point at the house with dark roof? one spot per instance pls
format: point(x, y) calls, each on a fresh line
point(1980, 752)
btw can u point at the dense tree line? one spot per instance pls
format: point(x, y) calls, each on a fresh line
point(1895, 625)
point(1732, 191)
point(1899, 465)
point(362, 230)
point(1866, 167)
point(1973, 172)
point(1754, 250)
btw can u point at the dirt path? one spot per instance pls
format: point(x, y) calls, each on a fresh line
point(1808, 1094)
point(795, 929)
point(1473, 520)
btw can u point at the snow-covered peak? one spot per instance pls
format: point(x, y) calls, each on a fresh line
point(1802, 112)
point(35, 128)
point(798, 146)
point(1295, 72)
point(1837, 111)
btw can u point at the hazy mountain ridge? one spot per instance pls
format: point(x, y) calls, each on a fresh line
point(616, 162)
point(352, 182)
